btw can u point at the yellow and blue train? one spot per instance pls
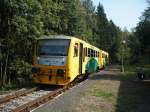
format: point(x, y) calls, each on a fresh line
point(59, 59)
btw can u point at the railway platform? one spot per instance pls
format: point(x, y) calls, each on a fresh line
point(67, 101)
point(106, 91)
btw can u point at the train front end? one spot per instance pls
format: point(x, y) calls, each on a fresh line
point(50, 62)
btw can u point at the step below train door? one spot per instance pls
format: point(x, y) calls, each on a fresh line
point(80, 58)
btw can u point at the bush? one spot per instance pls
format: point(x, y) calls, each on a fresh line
point(20, 69)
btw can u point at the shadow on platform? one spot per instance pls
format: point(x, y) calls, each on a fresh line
point(133, 96)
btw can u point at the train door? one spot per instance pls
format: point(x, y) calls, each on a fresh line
point(80, 58)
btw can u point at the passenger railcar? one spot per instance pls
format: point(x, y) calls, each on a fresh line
point(59, 59)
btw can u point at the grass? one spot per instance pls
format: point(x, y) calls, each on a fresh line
point(7, 88)
point(133, 68)
point(105, 94)
point(119, 92)
point(130, 68)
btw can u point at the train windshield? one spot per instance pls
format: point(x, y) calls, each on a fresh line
point(53, 47)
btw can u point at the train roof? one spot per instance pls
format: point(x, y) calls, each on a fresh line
point(104, 52)
point(54, 37)
point(67, 37)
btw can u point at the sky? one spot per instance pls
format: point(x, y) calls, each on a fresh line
point(124, 13)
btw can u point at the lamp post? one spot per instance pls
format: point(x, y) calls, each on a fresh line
point(123, 42)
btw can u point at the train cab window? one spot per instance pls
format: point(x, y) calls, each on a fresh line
point(76, 50)
point(98, 54)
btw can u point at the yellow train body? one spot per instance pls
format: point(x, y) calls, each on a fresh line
point(81, 58)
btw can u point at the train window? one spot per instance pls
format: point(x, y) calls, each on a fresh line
point(93, 53)
point(76, 50)
point(89, 52)
point(96, 54)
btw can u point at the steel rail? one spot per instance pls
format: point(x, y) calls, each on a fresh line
point(35, 103)
point(43, 99)
point(16, 95)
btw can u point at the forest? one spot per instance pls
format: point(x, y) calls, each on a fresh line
point(22, 21)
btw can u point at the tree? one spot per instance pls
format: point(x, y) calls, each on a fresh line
point(51, 16)
point(21, 23)
point(108, 35)
point(102, 27)
point(142, 32)
point(70, 17)
point(90, 21)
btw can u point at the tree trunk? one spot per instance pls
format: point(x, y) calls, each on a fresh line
point(1, 71)
point(5, 69)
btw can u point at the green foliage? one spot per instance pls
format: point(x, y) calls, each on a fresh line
point(134, 45)
point(23, 21)
point(142, 33)
point(21, 68)
point(71, 17)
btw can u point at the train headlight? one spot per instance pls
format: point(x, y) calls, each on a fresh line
point(60, 72)
point(35, 70)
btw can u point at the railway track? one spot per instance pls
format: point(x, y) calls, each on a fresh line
point(21, 92)
point(26, 100)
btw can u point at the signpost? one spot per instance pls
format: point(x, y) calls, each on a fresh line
point(123, 42)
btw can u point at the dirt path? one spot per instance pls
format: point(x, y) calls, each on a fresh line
point(106, 91)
